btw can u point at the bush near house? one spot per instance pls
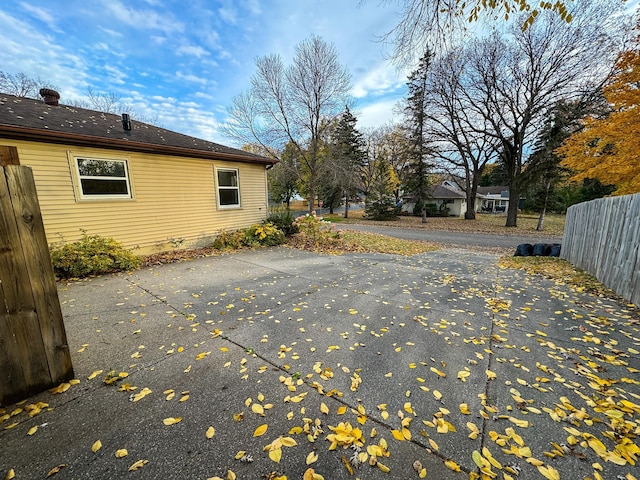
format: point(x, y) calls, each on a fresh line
point(284, 220)
point(92, 255)
point(265, 233)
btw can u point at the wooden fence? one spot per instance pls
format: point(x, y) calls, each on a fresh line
point(603, 237)
point(34, 354)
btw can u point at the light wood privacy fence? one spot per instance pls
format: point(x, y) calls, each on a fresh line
point(603, 237)
point(34, 354)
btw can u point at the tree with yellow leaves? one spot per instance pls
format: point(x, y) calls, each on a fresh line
point(609, 148)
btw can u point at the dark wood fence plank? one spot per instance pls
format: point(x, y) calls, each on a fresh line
point(34, 354)
point(27, 370)
point(24, 198)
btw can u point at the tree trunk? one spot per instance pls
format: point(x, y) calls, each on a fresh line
point(471, 187)
point(424, 210)
point(470, 214)
point(540, 226)
point(346, 206)
point(512, 210)
point(312, 195)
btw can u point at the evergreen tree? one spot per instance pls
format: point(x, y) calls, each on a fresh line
point(381, 203)
point(347, 151)
point(415, 126)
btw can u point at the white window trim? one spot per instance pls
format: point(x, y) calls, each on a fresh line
point(219, 187)
point(127, 179)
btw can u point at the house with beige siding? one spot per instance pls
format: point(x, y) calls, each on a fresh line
point(150, 188)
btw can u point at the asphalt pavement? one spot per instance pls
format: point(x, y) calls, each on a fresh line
point(266, 363)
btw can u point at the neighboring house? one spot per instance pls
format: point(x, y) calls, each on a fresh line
point(494, 199)
point(445, 197)
point(147, 187)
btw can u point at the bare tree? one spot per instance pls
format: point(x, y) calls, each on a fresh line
point(425, 23)
point(512, 80)
point(111, 102)
point(463, 147)
point(289, 103)
point(21, 85)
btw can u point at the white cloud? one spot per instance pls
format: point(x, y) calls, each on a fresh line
point(143, 19)
point(26, 50)
point(377, 114)
point(192, 50)
point(383, 78)
point(229, 15)
point(191, 78)
point(110, 32)
point(116, 75)
point(41, 14)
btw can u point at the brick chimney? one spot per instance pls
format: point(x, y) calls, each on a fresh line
point(50, 96)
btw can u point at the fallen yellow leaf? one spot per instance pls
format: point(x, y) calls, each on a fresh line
point(451, 465)
point(97, 445)
point(210, 432)
point(172, 421)
point(260, 430)
point(138, 465)
point(549, 472)
point(56, 469)
point(275, 454)
point(141, 394)
point(257, 409)
point(288, 442)
point(312, 458)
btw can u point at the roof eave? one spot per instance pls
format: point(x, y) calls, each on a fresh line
point(39, 135)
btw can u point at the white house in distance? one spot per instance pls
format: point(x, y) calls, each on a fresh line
point(448, 199)
point(494, 199)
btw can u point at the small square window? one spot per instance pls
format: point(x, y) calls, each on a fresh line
point(101, 178)
point(228, 188)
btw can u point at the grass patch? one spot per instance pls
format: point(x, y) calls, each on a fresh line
point(527, 223)
point(560, 271)
point(335, 218)
point(484, 223)
point(382, 244)
point(363, 242)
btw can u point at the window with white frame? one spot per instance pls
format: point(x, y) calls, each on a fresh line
point(100, 178)
point(228, 187)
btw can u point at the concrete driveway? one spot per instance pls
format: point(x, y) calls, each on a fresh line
point(441, 358)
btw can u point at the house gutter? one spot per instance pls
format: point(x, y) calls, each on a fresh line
point(33, 134)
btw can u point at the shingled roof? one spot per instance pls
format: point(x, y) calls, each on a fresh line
point(28, 119)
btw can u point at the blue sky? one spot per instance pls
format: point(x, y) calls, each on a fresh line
point(184, 60)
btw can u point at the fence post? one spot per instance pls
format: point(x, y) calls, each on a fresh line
point(34, 354)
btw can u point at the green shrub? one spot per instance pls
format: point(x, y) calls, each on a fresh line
point(317, 231)
point(264, 234)
point(229, 240)
point(283, 219)
point(92, 255)
point(382, 209)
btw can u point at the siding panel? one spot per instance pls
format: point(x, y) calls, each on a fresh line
point(174, 198)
